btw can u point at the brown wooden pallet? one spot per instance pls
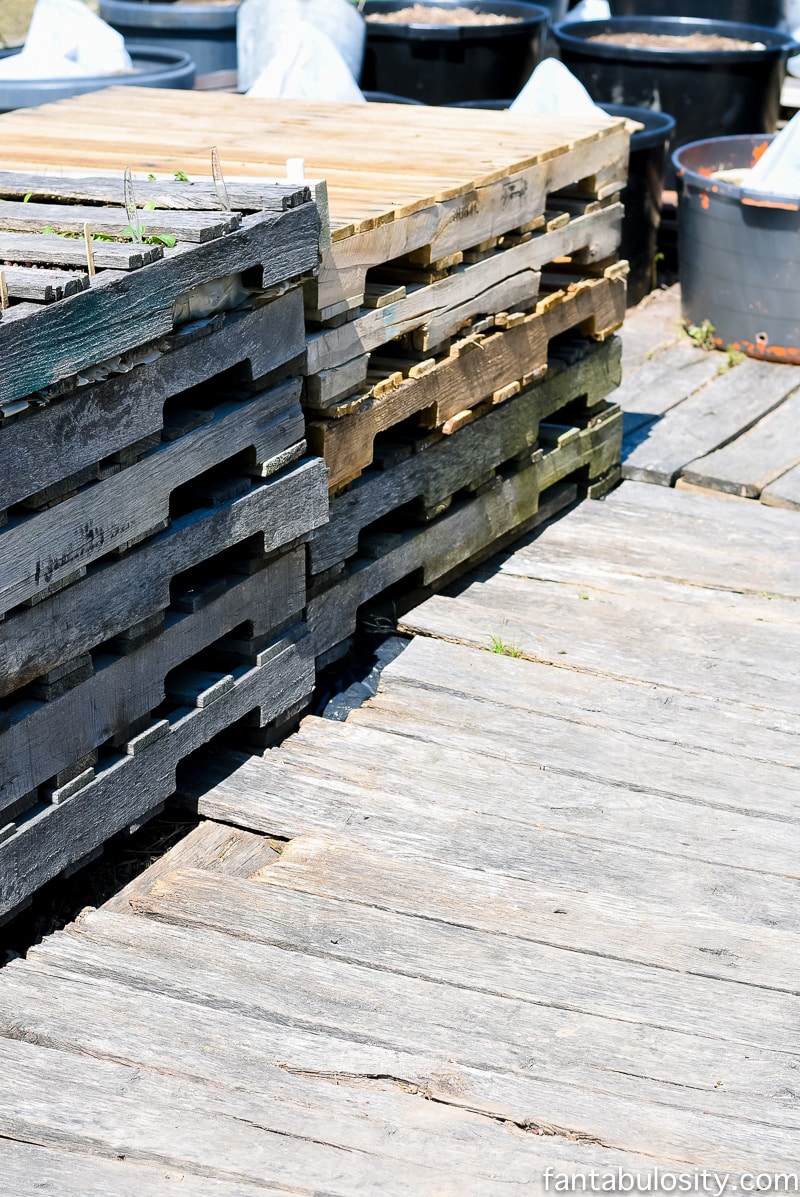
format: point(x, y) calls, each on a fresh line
point(132, 785)
point(507, 280)
point(431, 182)
point(53, 546)
point(138, 588)
point(489, 366)
point(48, 440)
point(426, 471)
point(468, 529)
point(41, 344)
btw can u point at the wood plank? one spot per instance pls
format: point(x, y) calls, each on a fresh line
point(663, 381)
point(120, 593)
point(172, 194)
point(718, 413)
point(112, 222)
point(704, 644)
point(784, 491)
point(41, 285)
point(123, 310)
point(535, 838)
point(46, 840)
point(481, 1039)
point(42, 548)
point(29, 1170)
point(747, 465)
point(49, 249)
point(651, 327)
point(680, 542)
point(628, 929)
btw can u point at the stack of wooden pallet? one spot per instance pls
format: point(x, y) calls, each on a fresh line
point(154, 498)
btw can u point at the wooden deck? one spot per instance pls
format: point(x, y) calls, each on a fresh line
point(695, 421)
point(528, 908)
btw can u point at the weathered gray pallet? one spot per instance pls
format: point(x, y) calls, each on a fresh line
point(45, 739)
point(466, 530)
point(42, 549)
point(117, 594)
point(39, 346)
point(747, 465)
point(112, 222)
point(252, 196)
point(51, 250)
point(134, 784)
point(478, 368)
point(437, 471)
point(57, 440)
point(507, 280)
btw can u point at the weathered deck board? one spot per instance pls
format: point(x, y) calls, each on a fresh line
point(701, 419)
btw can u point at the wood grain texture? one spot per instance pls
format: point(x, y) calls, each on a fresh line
point(46, 840)
point(78, 430)
point(43, 548)
point(42, 741)
point(747, 465)
point(441, 469)
point(122, 310)
point(115, 595)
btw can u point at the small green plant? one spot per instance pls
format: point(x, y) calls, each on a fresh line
point(702, 335)
point(181, 176)
point(151, 178)
point(503, 648)
point(733, 357)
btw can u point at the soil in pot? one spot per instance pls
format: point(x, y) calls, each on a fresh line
point(667, 41)
point(422, 14)
point(444, 59)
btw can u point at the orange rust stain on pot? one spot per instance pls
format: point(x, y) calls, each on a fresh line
point(759, 150)
point(754, 203)
point(705, 171)
point(776, 353)
point(704, 201)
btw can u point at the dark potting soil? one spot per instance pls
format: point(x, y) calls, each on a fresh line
point(422, 14)
point(670, 41)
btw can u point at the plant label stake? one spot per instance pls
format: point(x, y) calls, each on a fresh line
point(87, 241)
point(130, 206)
point(219, 181)
point(3, 292)
point(295, 170)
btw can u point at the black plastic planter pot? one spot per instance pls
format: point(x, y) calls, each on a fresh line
point(206, 32)
point(739, 252)
point(641, 197)
point(711, 93)
point(439, 64)
point(153, 67)
point(745, 12)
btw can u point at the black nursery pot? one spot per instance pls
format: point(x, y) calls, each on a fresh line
point(710, 93)
point(440, 64)
point(745, 12)
point(206, 32)
point(153, 67)
point(739, 252)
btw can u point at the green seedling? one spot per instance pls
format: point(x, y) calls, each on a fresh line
point(733, 357)
point(503, 647)
point(702, 335)
point(181, 176)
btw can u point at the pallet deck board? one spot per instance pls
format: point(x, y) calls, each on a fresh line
point(696, 419)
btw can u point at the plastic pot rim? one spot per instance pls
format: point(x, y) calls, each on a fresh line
point(134, 13)
point(160, 58)
point(731, 191)
point(533, 17)
point(574, 35)
point(662, 125)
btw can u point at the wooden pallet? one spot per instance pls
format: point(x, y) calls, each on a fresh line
point(427, 472)
point(400, 179)
point(111, 692)
point(473, 527)
point(83, 422)
point(490, 366)
point(117, 596)
point(54, 545)
point(133, 784)
point(59, 319)
point(507, 280)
